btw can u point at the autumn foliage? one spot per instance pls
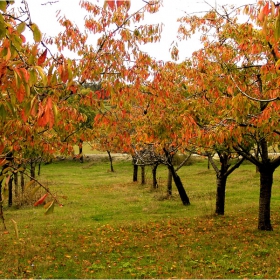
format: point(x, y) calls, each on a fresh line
point(225, 96)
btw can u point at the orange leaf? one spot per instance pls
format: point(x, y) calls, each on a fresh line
point(64, 75)
point(20, 93)
point(266, 9)
point(24, 74)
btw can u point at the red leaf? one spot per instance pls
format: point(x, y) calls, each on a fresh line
point(42, 57)
point(41, 200)
point(110, 3)
point(123, 2)
point(119, 3)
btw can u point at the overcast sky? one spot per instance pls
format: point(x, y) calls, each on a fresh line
point(45, 17)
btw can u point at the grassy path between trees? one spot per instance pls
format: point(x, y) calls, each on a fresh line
point(110, 227)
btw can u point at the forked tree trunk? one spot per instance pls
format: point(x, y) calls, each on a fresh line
point(154, 172)
point(221, 178)
point(111, 161)
point(177, 180)
point(266, 180)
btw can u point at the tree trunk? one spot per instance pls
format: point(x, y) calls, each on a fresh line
point(135, 173)
point(111, 161)
point(221, 177)
point(22, 181)
point(16, 183)
point(154, 172)
point(135, 169)
point(143, 177)
point(81, 151)
point(169, 183)
point(177, 180)
point(221, 194)
point(32, 169)
point(266, 180)
point(10, 189)
point(1, 206)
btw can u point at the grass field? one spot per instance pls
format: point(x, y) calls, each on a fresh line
point(110, 227)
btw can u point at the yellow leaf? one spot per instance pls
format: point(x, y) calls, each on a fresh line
point(277, 28)
point(29, 184)
point(42, 74)
point(16, 228)
point(34, 190)
point(50, 208)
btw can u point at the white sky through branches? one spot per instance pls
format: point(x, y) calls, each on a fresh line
point(44, 15)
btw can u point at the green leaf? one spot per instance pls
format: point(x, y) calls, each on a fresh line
point(277, 28)
point(3, 112)
point(37, 35)
point(2, 26)
point(21, 27)
point(50, 208)
point(3, 6)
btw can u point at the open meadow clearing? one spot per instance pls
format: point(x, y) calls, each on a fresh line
point(110, 227)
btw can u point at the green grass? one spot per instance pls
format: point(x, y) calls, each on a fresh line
point(110, 227)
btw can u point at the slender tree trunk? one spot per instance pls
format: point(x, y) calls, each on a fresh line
point(221, 194)
point(169, 183)
point(2, 214)
point(81, 151)
point(111, 161)
point(32, 168)
point(1, 206)
point(16, 183)
point(22, 183)
point(143, 177)
point(39, 169)
point(154, 172)
point(135, 169)
point(266, 180)
point(10, 189)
